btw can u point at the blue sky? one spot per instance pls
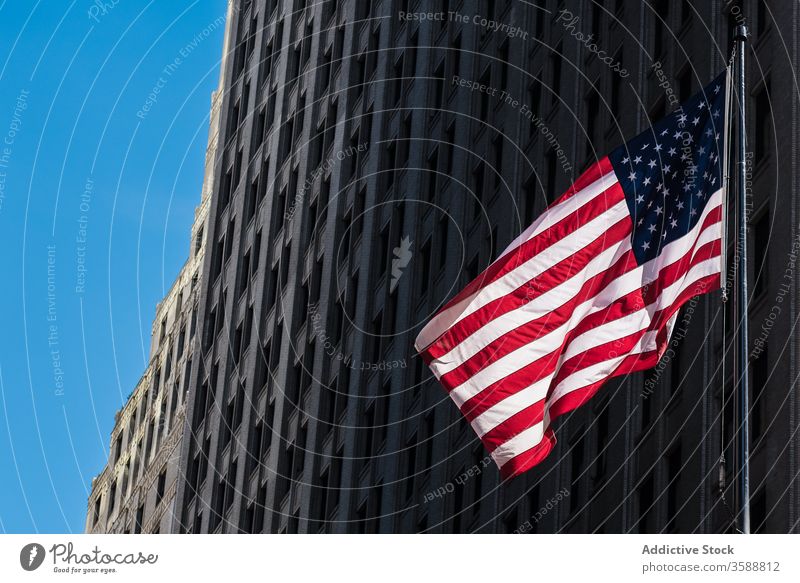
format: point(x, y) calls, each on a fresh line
point(96, 204)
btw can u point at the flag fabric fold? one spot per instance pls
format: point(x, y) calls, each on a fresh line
point(591, 290)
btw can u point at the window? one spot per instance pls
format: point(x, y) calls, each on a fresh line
point(473, 269)
point(174, 403)
point(676, 371)
point(160, 486)
point(271, 110)
point(112, 498)
point(758, 511)
point(438, 88)
point(272, 288)
point(658, 111)
point(430, 435)
point(533, 505)
point(383, 250)
point(458, 510)
point(258, 129)
point(497, 160)
point(137, 459)
point(646, 496)
point(198, 240)
point(685, 84)
point(686, 12)
point(488, 10)
point(308, 37)
point(279, 210)
point(485, 80)
point(118, 447)
point(96, 515)
point(455, 56)
point(252, 200)
point(266, 60)
point(660, 26)
point(411, 466)
point(229, 235)
point(198, 522)
point(372, 49)
point(376, 337)
point(365, 132)
point(450, 139)
point(602, 440)
point(363, 10)
point(389, 163)
point(535, 99)
point(576, 468)
point(351, 294)
point(592, 115)
point(405, 142)
point(244, 274)
point(256, 249)
point(502, 57)
point(510, 522)
point(529, 200)
point(648, 396)
point(237, 169)
point(478, 175)
point(596, 7)
point(432, 168)
point(761, 235)
point(137, 525)
point(150, 434)
point(616, 88)
point(442, 234)
point(229, 486)
point(763, 127)
point(550, 160)
point(397, 81)
point(382, 403)
point(555, 73)
point(762, 18)
point(540, 16)
point(445, 9)
point(233, 122)
point(760, 375)
point(674, 502)
point(477, 489)
point(424, 267)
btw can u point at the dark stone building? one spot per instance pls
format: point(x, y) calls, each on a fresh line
point(374, 158)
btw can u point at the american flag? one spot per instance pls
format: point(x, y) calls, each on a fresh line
point(591, 290)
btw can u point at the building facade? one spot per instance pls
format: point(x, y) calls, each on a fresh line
point(374, 158)
point(135, 492)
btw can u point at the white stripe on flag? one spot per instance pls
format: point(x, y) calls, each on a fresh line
point(453, 314)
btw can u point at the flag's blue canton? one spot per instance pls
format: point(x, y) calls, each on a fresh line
point(669, 172)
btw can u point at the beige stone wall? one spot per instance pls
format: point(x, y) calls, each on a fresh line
point(135, 492)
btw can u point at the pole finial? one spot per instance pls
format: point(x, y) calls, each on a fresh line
point(741, 33)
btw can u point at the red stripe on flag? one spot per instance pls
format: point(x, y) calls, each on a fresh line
point(593, 209)
point(576, 398)
point(541, 368)
point(527, 333)
point(532, 289)
point(528, 459)
point(592, 174)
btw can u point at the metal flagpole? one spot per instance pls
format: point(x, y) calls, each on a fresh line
point(741, 296)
